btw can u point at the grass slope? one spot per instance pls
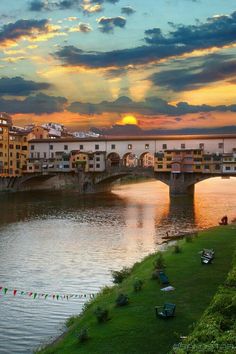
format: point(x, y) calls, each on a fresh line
point(134, 328)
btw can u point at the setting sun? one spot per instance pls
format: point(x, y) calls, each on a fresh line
point(129, 120)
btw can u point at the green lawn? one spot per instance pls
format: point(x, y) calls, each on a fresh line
point(134, 329)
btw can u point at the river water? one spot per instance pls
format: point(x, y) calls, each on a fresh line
point(63, 243)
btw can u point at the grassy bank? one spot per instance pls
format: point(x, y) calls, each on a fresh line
point(134, 328)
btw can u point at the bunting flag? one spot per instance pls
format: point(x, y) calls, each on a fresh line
point(54, 296)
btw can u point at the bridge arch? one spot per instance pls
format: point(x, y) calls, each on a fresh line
point(130, 160)
point(113, 159)
point(146, 159)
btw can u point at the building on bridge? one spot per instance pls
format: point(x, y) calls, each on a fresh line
point(176, 154)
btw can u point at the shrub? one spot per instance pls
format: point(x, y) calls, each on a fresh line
point(177, 249)
point(138, 284)
point(83, 335)
point(189, 239)
point(101, 314)
point(120, 275)
point(155, 275)
point(122, 300)
point(159, 262)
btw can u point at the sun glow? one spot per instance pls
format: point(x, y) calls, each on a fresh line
point(129, 120)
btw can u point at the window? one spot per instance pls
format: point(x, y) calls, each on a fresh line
point(96, 147)
point(97, 158)
point(81, 147)
point(24, 147)
point(201, 146)
point(160, 159)
point(113, 146)
point(129, 146)
point(51, 147)
point(227, 168)
point(52, 155)
point(197, 167)
point(159, 166)
point(168, 159)
point(220, 145)
point(90, 158)
point(17, 147)
point(182, 146)
point(168, 166)
point(32, 155)
point(206, 167)
point(32, 147)
point(38, 155)
point(146, 146)
point(90, 166)
point(98, 165)
point(44, 155)
point(164, 146)
point(65, 147)
point(11, 146)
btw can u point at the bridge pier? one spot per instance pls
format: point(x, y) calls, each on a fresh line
point(181, 184)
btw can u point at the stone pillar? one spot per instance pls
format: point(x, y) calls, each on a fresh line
point(180, 184)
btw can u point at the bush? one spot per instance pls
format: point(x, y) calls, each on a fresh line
point(83, 335)
point(101, 314)
point(120, 275)
point(138, 284)
point(189, 239)
point(155, 275)
point(159, 262)
point(122, 300)
point(177, 249)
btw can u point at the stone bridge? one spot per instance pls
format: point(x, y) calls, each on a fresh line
point(178, 183)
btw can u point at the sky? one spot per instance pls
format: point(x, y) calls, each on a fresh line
point(166, 64)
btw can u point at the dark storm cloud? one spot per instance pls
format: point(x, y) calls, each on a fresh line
point(22, 28)
point(107, 24)
point(213, 69)
point(37, 5)
point(127, 10)
point(40, 5)
point(38, 104)
point(17, 86)
point(150, 106)
point(71, 55)
point(216, 32)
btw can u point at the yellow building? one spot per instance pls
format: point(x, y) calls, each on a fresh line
point(5, 125)
point(79, 160)
point(13, 148)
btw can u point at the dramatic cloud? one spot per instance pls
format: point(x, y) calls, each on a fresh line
point(127, 10)
point(215, 68)
point(17, 86)
point(81, 27)
point(26, 29)
point(107, 24)
point(151, 106)
point(38, 104)
point(87, 6)
point(217, 32)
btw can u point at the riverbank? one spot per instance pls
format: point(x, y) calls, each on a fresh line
point(134, 328)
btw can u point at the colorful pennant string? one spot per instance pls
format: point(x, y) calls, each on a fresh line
point(34, 295)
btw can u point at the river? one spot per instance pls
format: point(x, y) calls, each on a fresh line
point(63, 243)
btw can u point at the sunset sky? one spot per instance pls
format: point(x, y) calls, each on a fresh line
point(166, 64)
